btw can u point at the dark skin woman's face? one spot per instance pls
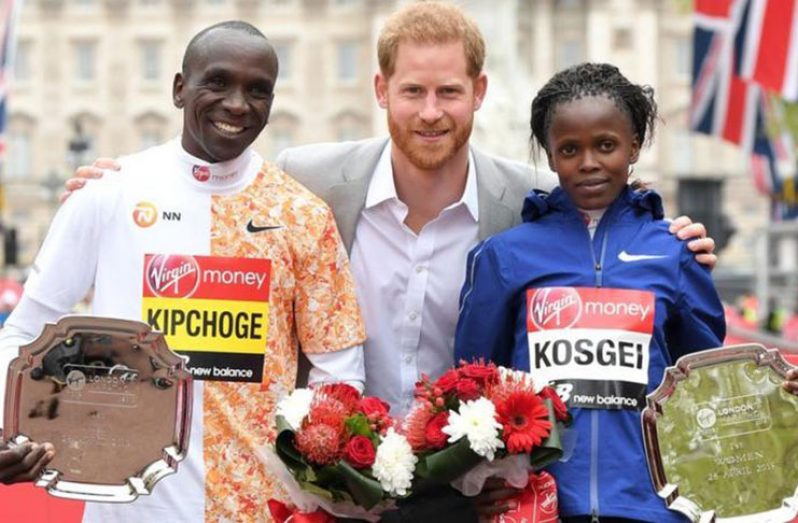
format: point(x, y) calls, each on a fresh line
point(591, 146)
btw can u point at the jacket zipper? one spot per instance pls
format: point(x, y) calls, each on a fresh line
point(594, 497)
point(598, 268)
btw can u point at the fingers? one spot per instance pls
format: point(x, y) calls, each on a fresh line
point(495, 498)
point(704, 249)
point(25, 462)
point(702, 245)
point(73, 184)
point(679, 223)
point(690, 231)
point(89, 171)
point(708, 260)
point(791, 383)
point(487, 513)
point(106, 163)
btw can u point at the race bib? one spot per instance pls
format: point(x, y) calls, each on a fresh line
point(593, 343)
point(213, 310)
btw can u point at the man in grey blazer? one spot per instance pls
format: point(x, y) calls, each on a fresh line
point(340, 173)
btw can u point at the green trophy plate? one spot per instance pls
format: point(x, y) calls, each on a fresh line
point(721, 436)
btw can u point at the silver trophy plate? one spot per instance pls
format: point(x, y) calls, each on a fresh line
point(113, 400)
point(721, 436)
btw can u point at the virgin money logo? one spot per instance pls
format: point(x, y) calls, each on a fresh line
point(201, 173)
point(145, 214)
point(549, 502)
point(555, 308)
point(172, 276)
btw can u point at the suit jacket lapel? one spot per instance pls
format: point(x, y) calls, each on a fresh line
point(348, 197)
point(494, 214)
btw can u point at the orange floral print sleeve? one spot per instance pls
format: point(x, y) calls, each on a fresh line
point(312, 305)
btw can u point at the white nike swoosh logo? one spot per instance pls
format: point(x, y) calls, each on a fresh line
point(626, 257)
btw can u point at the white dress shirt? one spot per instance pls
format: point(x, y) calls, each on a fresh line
point(408, 285)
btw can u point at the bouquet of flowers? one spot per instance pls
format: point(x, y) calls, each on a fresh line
point(338, 452)
point(480, 420)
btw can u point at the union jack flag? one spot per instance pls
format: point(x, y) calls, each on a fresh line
point(767, 45)
point(737, 109)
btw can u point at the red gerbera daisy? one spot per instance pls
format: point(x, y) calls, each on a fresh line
point(525, 420)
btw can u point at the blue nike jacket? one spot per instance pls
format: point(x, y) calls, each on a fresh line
point(600, 317)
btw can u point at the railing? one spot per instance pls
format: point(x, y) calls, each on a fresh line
point(768, 340)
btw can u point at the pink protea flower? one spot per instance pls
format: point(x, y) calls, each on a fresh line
point(415, 426)
point(320, 443)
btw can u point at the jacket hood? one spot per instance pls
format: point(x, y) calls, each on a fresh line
point(539, 203)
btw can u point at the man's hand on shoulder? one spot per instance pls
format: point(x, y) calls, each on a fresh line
point(699, 243)
point(25, 462)
point(88, 172)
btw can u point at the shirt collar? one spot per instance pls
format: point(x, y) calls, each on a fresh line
point(212, 175)
point(382, 187)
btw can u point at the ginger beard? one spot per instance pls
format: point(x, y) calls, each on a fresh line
point(434, 154)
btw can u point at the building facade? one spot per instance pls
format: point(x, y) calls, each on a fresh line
point(94, 78)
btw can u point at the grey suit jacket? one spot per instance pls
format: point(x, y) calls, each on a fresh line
point(339, 173)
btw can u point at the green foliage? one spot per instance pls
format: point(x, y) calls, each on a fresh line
point(791, 117)
point(338, 482)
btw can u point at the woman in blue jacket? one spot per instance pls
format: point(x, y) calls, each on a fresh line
point(591, 292)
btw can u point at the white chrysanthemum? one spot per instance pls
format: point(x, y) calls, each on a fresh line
point(519, 376)
point(295, 407)
point(394, 464)
point(476, 421)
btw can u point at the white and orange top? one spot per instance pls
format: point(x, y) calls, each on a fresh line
point(239, 265)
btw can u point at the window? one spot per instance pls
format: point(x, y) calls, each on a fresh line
point(622, 39)
point(19, 154)
point(282, 138)
point(150, 138)
point(150, 60)
point(22, 68)
point(349, 132)
point(151, 129)
point(683, 56)
point(681, 152)
point(84, 61)
point(349, 125)
point(347, 61)
point(285, 54)
point(569, 53)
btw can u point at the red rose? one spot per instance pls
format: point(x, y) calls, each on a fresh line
point(480, 372)
point(467, 389)
point(433, 433)
point(371, 405)
point(560, 410)
point(448, 381)
point(359, 452)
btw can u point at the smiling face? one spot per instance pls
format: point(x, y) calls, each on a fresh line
point(590, 146)
point(431, 101)
point(226, 93)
